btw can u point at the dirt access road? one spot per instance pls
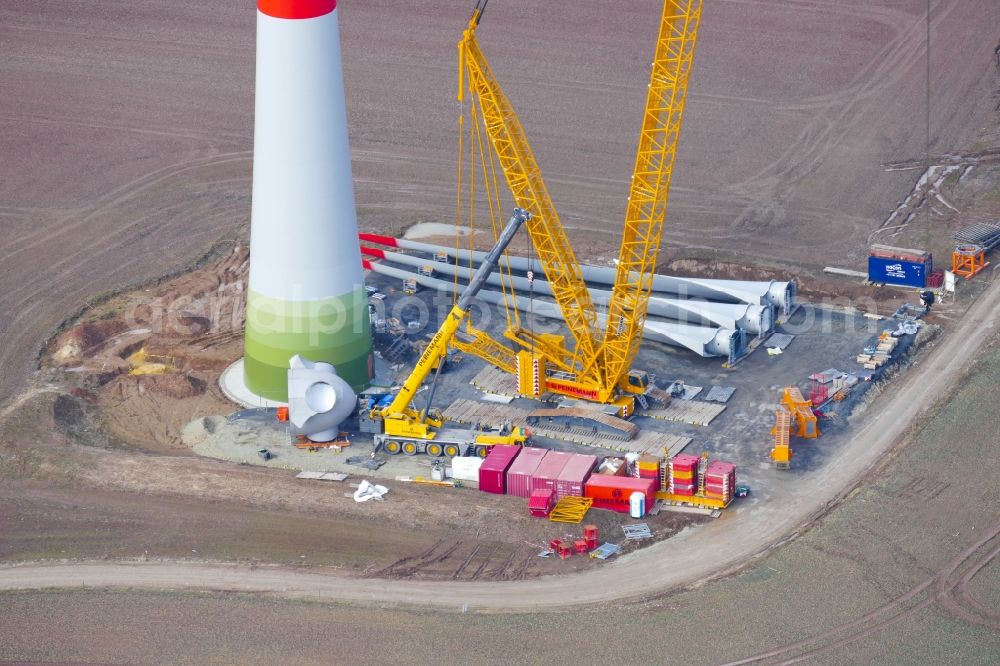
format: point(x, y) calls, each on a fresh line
point(714, 548)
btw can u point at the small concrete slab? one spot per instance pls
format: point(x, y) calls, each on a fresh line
point(720, 394)
point(779, 340)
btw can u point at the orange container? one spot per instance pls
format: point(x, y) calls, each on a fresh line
point(618, 487)
point(282, 414)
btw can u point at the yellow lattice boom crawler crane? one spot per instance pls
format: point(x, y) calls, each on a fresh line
point(596, 365)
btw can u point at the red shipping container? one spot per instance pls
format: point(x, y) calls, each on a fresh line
point(493, 471)
point(548, 470)
point(540, 505)
point(572, 477)
point(580, 545)
point(613, 492)
point(522, 470)
point(590, 531)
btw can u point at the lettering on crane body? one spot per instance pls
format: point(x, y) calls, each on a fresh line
point(432, 354)
point(571, 389)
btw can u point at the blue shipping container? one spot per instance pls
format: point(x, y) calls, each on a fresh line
point(894, 271)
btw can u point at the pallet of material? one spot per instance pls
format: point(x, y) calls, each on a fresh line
point(695, 412)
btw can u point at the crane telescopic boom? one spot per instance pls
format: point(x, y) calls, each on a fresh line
point(399, 417)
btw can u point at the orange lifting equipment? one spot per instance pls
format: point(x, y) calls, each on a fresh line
point(801, 410)
point(781, 452)
point(968, 259)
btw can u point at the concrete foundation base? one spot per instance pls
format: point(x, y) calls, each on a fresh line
point(231, 383)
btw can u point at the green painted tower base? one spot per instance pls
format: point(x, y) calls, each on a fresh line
point(335, 330)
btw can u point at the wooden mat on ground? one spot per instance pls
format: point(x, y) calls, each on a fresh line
point(695, 412)
point(494, 380)
point(488, 413)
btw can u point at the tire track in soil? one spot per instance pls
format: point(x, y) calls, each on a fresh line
point(501, 573)
point(119, 196)
point(940, 589)
point(476, 564)
point(394, 569)
point(777, 181)
point(486, 560)
point(33, 301)
point(461, 567)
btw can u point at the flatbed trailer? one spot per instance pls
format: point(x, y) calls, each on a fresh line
point(692, 500)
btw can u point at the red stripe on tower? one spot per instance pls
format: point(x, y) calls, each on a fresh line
point(296, 9)
point(381, 240)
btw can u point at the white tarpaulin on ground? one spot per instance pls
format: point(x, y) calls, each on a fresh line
point(367, 491)
point(466, 468)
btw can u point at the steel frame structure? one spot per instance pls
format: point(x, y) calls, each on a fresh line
point(598, 367)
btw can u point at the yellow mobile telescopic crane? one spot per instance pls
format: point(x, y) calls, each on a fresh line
point(398, 427)
point(598, 368)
